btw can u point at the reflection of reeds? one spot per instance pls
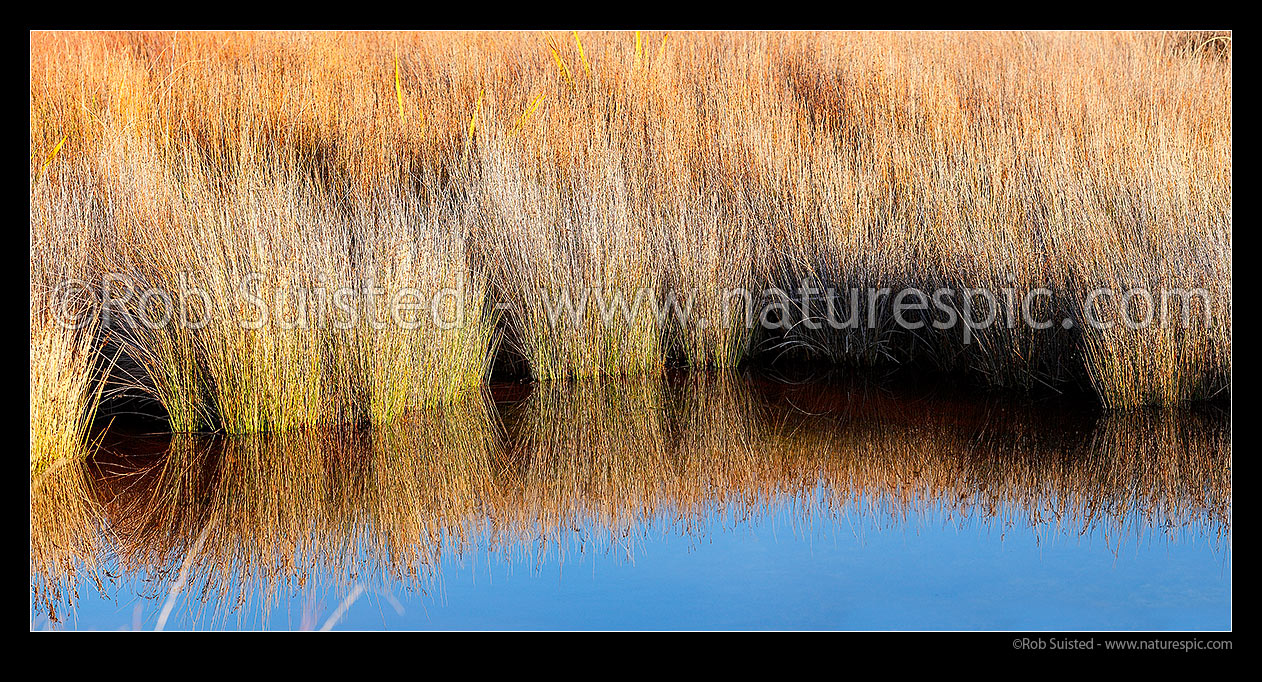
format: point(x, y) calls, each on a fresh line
point(1163, 470)
point(613, 460)
point(569, 464)
point(66, 547)
point(722, 457)
point(295, 509)
point(429, 480)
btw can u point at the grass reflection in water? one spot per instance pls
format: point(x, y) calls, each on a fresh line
point(602, 463)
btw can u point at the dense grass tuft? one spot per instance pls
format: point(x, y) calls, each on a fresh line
point(529, 166)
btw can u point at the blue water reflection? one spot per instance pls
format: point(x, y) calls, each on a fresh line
point(848, 572)
point(689, 506)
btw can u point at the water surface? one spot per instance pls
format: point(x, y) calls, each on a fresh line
point(690, 502)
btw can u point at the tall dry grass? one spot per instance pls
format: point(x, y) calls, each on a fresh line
point(66, 362)
point(531, 165)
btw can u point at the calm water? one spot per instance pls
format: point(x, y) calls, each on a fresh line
point(697, 502)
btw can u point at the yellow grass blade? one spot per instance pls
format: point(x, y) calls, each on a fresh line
point(586, 68)
point(639, 49)
point(560, 64)
point(398, 86)
point(473, 121)
point(530, 109)
point(51, 157)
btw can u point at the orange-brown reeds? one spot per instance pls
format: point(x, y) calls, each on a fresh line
point(537, 168)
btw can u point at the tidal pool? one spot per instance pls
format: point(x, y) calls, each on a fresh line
point(699, 501)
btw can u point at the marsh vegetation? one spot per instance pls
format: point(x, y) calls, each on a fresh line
point(527, 165)
point(496, 173)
